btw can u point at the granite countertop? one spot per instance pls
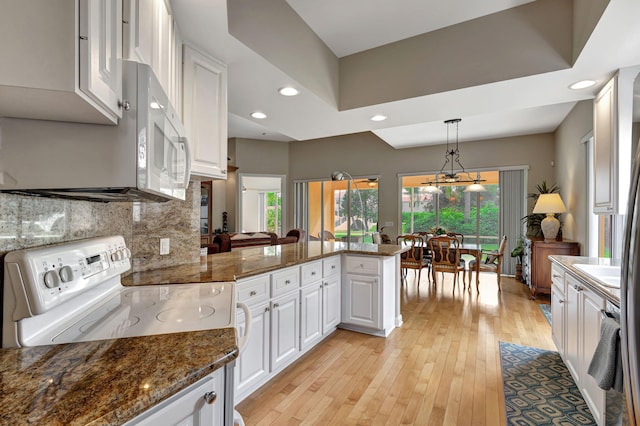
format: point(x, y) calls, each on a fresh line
point(567, 262)
point(241, 263)
point(106, 382)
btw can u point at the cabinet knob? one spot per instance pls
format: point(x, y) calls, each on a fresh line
point(125, 105)
point(561, 301)
point(210, 397)
point(275, 305)
point(333, 266)
point(557, 276)
point(313, 273)
point(266, 309)
point(287, 282)
point(253, 293)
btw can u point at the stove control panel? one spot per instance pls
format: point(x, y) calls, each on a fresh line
point(50, 275)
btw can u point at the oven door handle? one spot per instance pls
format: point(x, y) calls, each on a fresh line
point(242, 341)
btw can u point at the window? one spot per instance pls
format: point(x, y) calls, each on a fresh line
point(338, 210)
point(473, 214)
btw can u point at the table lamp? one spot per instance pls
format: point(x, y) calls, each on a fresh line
point(549, 204)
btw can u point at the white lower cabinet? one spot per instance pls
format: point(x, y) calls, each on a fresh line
point(368, 290)
point(311, 314)
point(285, 338)
point(582, 333)
point(202, 403)
point(292, 309)
point(331, 303)
point(362, 301)
point(558, 310)
point(252, 367)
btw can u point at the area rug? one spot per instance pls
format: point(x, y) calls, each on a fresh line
point(538, 389)
point(546, 310)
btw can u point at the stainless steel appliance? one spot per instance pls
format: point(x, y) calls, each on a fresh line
point(145, 157)
point(630, 299)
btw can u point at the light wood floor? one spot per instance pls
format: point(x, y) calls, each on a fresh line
point(442, 367)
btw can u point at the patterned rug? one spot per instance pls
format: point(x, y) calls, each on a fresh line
point(539, 390)
point(546, 310)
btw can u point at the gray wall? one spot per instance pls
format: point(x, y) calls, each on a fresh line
point(364, 154)
point(571, 172)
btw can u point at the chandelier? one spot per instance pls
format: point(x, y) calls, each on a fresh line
point(452, 171)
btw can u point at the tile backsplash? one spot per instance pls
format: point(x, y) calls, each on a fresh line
point(29, 221)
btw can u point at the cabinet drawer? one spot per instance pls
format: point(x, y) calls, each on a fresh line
point(253, 290)
point(363, 265)
point(557, 277)
point(285, 281)
point(310, 272)
point(331, 266)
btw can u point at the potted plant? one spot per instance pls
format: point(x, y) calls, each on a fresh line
point(533, 220)
point(518, 252)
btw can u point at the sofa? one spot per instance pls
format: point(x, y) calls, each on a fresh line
point(227, 242)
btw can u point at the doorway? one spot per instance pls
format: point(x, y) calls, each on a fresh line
point(261, 204)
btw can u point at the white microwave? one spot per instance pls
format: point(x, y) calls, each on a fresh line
point(144, 158)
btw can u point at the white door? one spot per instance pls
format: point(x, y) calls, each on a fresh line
point(101, 53)
point(331, 301)
point(253, 364)
point(311, 314)
point(361, 306)
point(285, 320)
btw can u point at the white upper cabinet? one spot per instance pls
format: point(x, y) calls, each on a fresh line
point(613, 147)
point(62, 60)
point(204, 113)
point(150, 34)
point(604, 130)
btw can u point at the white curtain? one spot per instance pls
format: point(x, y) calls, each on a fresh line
point(513, 207)
point(300, 203)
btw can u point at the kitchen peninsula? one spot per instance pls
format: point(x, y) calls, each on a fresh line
point(297, 295)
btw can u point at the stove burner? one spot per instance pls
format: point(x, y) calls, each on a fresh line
point(185, 313)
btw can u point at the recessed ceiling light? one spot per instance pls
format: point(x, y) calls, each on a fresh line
point(259, 115)
point(582, 84)
point(378, 117)
point(288, 91)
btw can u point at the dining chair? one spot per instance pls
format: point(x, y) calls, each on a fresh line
point(464, 259)
point(492, 262)
point(326, 236)
point(445, 252)
point(413, 258)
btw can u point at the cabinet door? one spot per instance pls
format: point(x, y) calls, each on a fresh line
point(311, 315)
point(572, 348)
point(138, 30)
point(205, 113)
point(200, 404)
point(331, 303)
point(604, 137)
point(253, 364)
point(285, 338)
point(361, 304)
point(101, 53)
point(590, 335)
point(557, 319)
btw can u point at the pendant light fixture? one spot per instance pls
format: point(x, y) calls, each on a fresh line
point(452, 171)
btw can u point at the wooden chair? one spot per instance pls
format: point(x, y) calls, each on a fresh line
point(445, 252)
point(464, 261)
point(413, 258)
point(326, 236)
point(492, 262)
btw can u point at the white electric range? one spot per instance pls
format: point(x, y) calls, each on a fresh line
point(72, 292)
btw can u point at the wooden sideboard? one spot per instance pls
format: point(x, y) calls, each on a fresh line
point(537, 266)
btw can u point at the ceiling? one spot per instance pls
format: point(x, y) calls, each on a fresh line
point(501, 96)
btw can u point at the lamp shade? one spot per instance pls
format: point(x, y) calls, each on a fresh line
point(549, 203)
